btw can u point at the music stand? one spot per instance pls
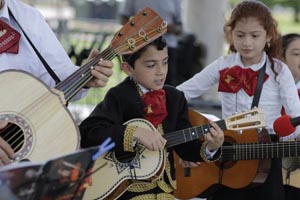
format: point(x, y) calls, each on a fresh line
point(17, 181)
point(63, 178)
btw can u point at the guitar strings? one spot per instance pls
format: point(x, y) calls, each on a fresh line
point(254, 151)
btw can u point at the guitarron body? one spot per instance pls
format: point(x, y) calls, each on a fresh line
point(45, 122)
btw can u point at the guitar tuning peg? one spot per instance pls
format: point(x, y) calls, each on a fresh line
point(259, 130)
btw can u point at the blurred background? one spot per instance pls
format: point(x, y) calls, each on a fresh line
point(82, 25)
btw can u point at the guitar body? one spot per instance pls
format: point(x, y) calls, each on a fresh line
point(291, 172)
point(47, 127)
point(116, 176)
point(208, 177)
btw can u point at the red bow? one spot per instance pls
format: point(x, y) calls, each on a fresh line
point(155, 106)
point(234, 78)
point(9, 39)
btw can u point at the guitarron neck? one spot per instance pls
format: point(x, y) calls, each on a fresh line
point(189, 134)
point(76, 81)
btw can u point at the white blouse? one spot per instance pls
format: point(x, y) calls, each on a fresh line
point(275, 93)
point(44, 40)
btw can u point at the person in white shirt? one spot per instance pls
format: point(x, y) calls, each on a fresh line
point(18, 54)
point(291, 56)
point(254, 41)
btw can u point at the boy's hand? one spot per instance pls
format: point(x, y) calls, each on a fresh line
point(215, 137)
point(150, 139)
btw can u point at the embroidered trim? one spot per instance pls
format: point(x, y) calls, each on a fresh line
point(160, 196)
point(128, 138)
point(203, 154)
point(168, 171)
point(141, 186)
point(160, 128)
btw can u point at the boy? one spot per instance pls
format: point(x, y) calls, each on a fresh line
point(144, 95)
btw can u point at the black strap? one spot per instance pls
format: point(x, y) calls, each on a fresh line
point(259, 85)
point(48, 68)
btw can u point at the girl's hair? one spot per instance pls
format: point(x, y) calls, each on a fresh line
point(160, 43)
point(263, 14)
point(286, 40)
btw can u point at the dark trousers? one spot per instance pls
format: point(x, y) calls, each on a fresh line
point(291, 193)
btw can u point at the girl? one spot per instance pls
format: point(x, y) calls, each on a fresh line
point(144, 95)
point(291, 56)
point(254, 42)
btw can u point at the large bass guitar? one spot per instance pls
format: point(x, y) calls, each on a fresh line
point(40, 126)
point(123, 170)
point(245, 162)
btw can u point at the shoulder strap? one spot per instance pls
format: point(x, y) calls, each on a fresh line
point(259, 85)
point(46, 65)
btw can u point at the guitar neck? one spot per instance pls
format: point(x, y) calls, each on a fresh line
point(76, 81)
point(257, 151)
point(189, 134)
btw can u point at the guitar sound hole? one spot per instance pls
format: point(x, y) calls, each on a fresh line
point(123, 157)
point(223, 163)
point(13, 135)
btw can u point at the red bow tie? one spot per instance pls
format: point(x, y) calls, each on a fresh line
point(234, 78)
point(9, 39)
point(155, 106)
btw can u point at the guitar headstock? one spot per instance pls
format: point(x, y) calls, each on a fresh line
point(254, 118)
point(140, 30)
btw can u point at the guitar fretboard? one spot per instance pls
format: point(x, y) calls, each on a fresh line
point(187, 135)
point(256, 151)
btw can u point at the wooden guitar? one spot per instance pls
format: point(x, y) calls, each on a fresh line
point(144, 165)
point(245, 161)
point(291, 171)
point(40, 125)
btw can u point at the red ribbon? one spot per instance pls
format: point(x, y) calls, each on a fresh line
point(234, 78)
point(155, 109)
point(9, 39)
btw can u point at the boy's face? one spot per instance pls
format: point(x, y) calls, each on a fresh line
point(151, 68)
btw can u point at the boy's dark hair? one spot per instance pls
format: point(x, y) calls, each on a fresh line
point(286, 40)
point(160, 43)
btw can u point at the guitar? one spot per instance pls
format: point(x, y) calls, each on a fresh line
point(245, 162)
point(40, 125)
point(291, 171)
point(144, 165)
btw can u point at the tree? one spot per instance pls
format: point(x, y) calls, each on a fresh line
point(295, 4)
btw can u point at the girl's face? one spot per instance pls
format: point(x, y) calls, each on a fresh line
point(292, 58)
point(151, 68)
point(249, 39)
